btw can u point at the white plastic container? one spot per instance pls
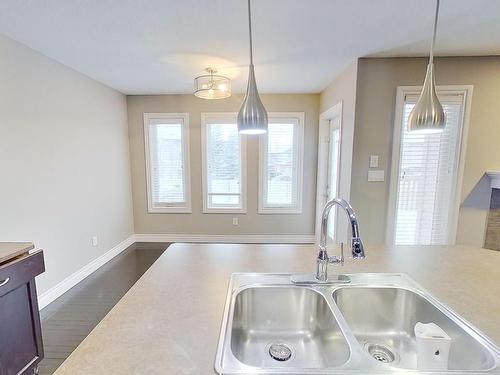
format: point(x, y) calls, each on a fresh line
point(433, 347)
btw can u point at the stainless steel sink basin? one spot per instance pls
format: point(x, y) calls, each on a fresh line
point(383, 319)
point(295, 321)
point(271, 326)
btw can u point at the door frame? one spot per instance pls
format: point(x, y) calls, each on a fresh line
point(466, 91)
point(325, 117)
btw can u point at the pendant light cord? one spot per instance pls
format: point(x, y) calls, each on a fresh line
point(431, 56)
point(250, 31)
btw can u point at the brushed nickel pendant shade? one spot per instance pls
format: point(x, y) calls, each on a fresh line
point(428, 115)
point(252, 117)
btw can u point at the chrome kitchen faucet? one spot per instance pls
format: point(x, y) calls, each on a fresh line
point(323, 259)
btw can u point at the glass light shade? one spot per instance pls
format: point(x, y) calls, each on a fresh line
point(212, 86)
point(428, 115)
point(252, 117)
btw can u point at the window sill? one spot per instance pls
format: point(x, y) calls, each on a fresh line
point(169, 210)
point(224, 211)
point(279, 211)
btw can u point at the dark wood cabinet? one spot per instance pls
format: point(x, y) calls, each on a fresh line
point(21, 347)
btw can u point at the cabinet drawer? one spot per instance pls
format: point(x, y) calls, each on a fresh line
point(20, 271)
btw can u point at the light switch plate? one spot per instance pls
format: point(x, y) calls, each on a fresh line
point(373, 161)
point(376, 175)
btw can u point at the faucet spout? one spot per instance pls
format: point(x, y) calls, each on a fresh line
point(357, 248)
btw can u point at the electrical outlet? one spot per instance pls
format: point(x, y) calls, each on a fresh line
point(236, 222)
point(95, 241)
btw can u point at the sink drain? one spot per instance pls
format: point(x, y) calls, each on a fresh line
point(280, 352)
point(381, 353)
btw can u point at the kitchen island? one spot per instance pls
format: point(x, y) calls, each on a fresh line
point(21, 347)
point(11, 250)
point(169, 321)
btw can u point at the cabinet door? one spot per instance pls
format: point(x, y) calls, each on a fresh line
point(20, 334)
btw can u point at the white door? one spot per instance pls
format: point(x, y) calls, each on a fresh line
point(333, 169)
point(426, 167)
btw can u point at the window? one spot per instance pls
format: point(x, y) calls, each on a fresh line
point(427, 176)
point(166, 138)
point(281, 154)
point(224, 164)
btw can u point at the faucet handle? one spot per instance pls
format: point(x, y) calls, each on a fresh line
point(357, 248)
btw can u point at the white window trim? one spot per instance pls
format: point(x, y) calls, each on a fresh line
point(402, 91)
point(222, 118)
point(171, 208)
point(299, 117)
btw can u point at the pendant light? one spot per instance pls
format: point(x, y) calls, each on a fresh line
point(212, 85)
point(252, 117)
point(428, 115)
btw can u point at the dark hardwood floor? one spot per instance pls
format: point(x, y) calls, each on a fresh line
point(70, 318)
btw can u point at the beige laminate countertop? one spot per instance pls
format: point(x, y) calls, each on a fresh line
point(9, 250)
point(169, 321)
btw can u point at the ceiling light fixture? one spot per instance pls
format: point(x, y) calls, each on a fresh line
point(212, 86)
point(428, 115)
point(252, 117)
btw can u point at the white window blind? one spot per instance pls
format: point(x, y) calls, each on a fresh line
point(223, 164)
point(281, 164)
point(167, 162)
point(427, 177)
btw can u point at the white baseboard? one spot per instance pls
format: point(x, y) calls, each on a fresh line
point(223, 238)
point(59, 289)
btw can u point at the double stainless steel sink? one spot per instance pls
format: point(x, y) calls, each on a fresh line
point(366, 326)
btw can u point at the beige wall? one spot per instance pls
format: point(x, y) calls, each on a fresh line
point(375, 101)
point(197, 222)
point(342, 88)
point(64, 161)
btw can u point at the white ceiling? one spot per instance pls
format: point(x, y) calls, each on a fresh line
point(159, 46)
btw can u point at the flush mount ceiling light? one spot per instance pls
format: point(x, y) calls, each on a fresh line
point(428, 115)
point(252, 117)
point(212, 86)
